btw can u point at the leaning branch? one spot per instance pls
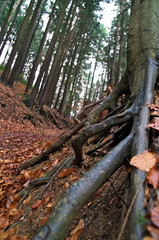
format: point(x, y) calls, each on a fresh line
point(45, 154)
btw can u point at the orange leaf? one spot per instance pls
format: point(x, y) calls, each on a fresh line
point(44, 220)
point(3, 235)
point(66, 172)
point(144, 161)
point(154, 216)
point(153, 178)
point(37, 204)
point(154, 232)
point(66, 185)
point(154, 123)
point(26, 174)
point(3, 222)
point(76, 232)
point(148, 238)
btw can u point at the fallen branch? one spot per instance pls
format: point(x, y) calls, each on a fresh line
point(45, 154)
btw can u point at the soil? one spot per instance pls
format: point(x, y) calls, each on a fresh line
point(26, 133)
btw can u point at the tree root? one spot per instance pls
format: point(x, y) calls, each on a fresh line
point(80, 139)
point(110, 102)
point(79, 193)
point(45, 154)
point(140, 144)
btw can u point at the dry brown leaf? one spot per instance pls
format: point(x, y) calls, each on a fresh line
point(66, 172)
point(153, 107)
point(144, 161)
point(154, 216)
point(37, 204)
point(154, 232)
point(27, 200)
point(148, 238)
point(4, 222)
point(76, 232)
point(154, 123)
point(3, 235)
point(66, 185)
point(153, 178)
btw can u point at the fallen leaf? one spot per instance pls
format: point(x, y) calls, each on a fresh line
point(66, 185)
point(44, 219)
point(153, 177)
point(154, 232)
point(66, 172)
point(154, 123)
point(148, 238)
point(154, 216)
point(37, 204)
point(144, 161)
point(76, 232)
point(27, 200)
point(3, 222)
point(26, 174)
point(3, 235)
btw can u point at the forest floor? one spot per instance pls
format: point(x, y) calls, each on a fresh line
point(26, 133)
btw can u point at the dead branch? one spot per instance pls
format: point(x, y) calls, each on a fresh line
point(45, 154)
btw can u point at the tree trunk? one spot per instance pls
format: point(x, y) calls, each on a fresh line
point(10, 28)
point(45, 66)
point(3, 6)
point(51, 82)
point(17, 44)
point(24, 45)
point(6, 21)
point(38, 56)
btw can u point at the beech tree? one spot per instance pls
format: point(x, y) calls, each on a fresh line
point(137, 83)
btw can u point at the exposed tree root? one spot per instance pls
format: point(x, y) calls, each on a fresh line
point(89, 131)
point(45, 154)
point(140, 144)
point(110, 102)
point(79, 193)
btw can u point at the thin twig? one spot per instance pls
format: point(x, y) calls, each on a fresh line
point(118, 194)
point(129, 210)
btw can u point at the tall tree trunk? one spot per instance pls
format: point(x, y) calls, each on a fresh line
point(3, 6)
point(38, 56)
point(6, 21)
point(45, 66)
point(50, 85)
point(24, 45)
point(17, 44)
point(10, 27)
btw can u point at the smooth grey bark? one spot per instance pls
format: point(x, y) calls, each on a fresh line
point(140, 144)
